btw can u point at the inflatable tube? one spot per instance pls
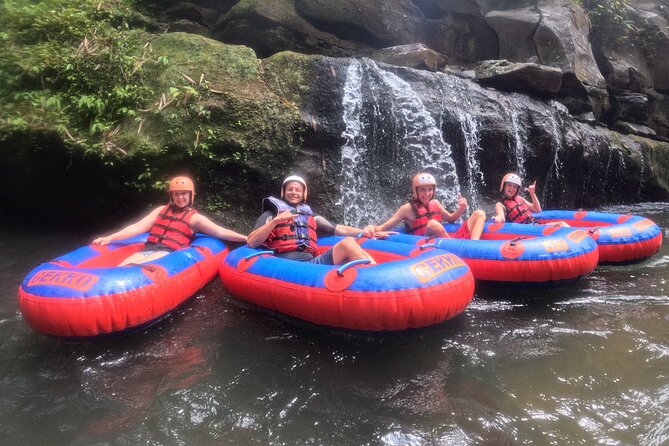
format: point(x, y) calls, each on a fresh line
point(84, 295)
point(409, 288)
point(621, 238)
point(520, 256)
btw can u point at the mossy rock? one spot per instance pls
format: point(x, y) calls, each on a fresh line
point(210, 98)
point(290, 75)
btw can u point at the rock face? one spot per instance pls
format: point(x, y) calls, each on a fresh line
point(533, 79)
point(552, 33)
point(371, 124)
point(414, 56)
point(522, 90)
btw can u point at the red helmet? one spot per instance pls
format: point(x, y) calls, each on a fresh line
point(422, 179)
point(510, 178)
point(298, 179)
point(182, 184)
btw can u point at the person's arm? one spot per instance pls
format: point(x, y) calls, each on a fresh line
point(399, 216)
point(258, 236)
point(535, 206)
point(352, 231)
point(499, 213)
point(200, 223)
point(324, 226)
point(452, 217)
point(347, 230)
point(143, 225)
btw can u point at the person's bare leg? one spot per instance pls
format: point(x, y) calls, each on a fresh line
point(475, 224)
point(143, 258)
point(348, 250)
point(435, 229)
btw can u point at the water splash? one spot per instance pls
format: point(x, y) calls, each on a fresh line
point(389, 135)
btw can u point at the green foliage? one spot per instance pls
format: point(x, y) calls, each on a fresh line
point(70, 65)
point(608, 15)
point(154, 102)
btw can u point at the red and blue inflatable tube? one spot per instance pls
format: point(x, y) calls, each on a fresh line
point(520, 256)
point(83, 294)
point(409, 287)
point(622, 238)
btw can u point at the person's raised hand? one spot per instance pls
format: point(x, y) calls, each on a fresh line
point(462, 202)
point(284, 217)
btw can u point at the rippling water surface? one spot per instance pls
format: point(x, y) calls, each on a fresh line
point(587, 364)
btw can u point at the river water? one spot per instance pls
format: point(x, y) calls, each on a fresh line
point(586, 365)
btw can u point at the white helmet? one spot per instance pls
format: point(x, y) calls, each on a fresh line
point(300, 180)
point(510, 178)
point(422, 179)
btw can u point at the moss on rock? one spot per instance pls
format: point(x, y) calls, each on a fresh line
point(177, 102)
point(290, 74)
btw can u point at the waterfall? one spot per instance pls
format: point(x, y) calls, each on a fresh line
point(389, 135)
point(475, 180)
point(554, 173)
point(642, 172)
point(520, 144)
point(397, 121)
point(353, 184)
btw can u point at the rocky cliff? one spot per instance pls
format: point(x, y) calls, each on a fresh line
point(357, 94)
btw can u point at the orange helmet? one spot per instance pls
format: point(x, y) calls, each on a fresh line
point(300, 180)
point(422, 179)
point(182, 184)
point(510, 178)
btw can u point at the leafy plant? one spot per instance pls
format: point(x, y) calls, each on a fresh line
point(72, 65)
point(610, 15)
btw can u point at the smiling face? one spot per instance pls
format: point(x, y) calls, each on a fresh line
point(293, 192)
point(510, 189)
point(425, 193)
point(180, 198)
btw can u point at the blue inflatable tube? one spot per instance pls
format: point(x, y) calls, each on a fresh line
point(408, 288)
point(84, 294)
point(520, 256)
point(622, 238)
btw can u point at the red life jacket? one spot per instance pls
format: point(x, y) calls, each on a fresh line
point(423, 216)
point(172, 228)
point(517, 211)
point(300, 235)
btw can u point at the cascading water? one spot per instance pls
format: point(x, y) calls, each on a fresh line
point(475, 180)
point(520, 143)
point(554, 173)
point(642, 172)
point(389, 136)
point(398, 121)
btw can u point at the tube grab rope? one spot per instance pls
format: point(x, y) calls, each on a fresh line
point(345, 266)
point(514, 240)
point(259, 253)
point(428, 245)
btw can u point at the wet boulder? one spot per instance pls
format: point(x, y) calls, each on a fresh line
point(530, 78)
point(415, 55)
